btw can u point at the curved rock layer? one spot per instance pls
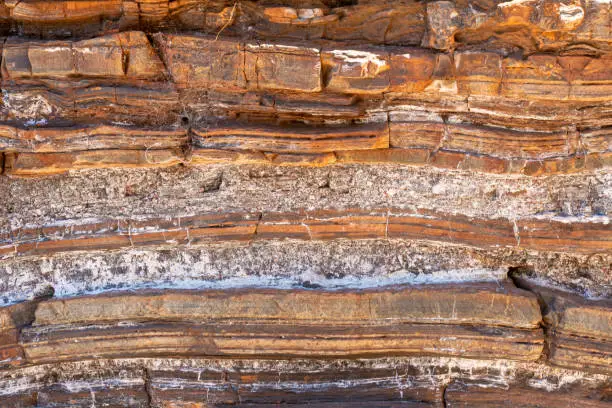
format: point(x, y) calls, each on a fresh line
point(255, 323)
point(543, 235)
point(325, 203)
point(468, 320)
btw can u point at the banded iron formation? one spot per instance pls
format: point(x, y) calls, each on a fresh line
point(322, 203)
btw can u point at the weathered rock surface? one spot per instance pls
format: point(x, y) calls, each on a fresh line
point(462, 320)
point(364, 203)
point(411, 382)
point(375, 223)
point(476, 110)
point(579, 329)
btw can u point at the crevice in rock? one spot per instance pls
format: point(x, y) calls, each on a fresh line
point(444, 402)
point(44, 293)
point(147, 384)
point(514, 274)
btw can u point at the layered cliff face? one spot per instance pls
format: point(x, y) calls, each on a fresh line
point(321, 203)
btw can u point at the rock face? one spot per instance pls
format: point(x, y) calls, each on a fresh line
point(325, 203)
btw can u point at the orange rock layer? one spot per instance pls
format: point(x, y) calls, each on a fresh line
point(552, 26)
point(532, 234)
point(313, 104)
point(474, 320)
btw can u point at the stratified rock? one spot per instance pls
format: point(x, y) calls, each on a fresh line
point(579, 331)
point(478, 321)
point(292, 190)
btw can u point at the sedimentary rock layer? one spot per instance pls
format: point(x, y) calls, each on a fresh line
point(296, 188)
point(473, 320)
point(44, 164)
point(387, 223)
point(572, 27)
point(420, 382)
point(467, 393)
point(120, 197)
point(50, 218)
point(338, 264)
point(217, 100)
point(579, 329)
point(483, 320)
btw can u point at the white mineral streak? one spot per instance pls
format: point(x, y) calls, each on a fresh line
point(26, 106)
point(548, 283)
point(371, 64)
point(123, 372)
point(414, 116)
point(50, 49)
point(310, 13)
point(280, 48)
point(443, 85)
point(80, 386)
point(572, 219)
point(515, 3)
point(571, 14)
point(373, 117)
point(64, 289)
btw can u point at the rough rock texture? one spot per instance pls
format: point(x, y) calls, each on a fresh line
point(327, 203)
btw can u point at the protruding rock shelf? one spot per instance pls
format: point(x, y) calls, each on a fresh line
point(474, 320)
point(469, 320)
point(298, 104)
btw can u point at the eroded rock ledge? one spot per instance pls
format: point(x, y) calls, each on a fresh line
point(472, 321)
point(193, 99)
point(573, 27)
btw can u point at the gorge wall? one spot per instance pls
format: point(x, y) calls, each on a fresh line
point(329, 203)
